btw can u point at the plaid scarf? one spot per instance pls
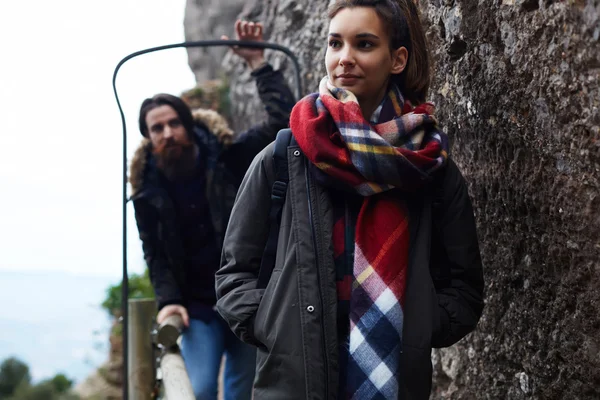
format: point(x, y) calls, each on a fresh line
point(400, 151)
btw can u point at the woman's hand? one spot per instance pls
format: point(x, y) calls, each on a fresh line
point(250, 31)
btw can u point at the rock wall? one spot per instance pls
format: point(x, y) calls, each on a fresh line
point(205, 20)
point(297, 25)
point(517, 89)
point(106, 383)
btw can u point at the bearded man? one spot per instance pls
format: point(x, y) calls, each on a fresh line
point(184, 179)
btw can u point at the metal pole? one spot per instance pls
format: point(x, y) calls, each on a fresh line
point(200, 43)
point(125, 279)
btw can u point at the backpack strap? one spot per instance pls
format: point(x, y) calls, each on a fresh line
point(278, 193)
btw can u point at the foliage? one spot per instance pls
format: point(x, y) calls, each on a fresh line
point(41, 391)
point(15, 384)
point(13, 372)
point(224, 101)
point(139, 288)
point(211, 95)
point(61, 383)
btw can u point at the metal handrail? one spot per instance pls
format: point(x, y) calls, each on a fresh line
point(175, 379)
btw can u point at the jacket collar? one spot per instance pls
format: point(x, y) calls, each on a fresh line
point(141, 161)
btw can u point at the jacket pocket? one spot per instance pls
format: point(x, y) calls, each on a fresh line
point(261, 317)
point(440, 328)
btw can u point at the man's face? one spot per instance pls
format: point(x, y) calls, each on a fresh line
point(174, 151)
point(165, 127)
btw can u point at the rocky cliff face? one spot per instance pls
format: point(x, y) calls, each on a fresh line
point(205, 20)
point(517, 89)
point(106, 382)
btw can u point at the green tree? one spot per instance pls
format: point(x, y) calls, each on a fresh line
point(139, 287)
point(13, 373)
point(15, 384)
point(42, 391)
point(61, 383)
point(56, 388)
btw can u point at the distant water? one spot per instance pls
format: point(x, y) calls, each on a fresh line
point(53, 322)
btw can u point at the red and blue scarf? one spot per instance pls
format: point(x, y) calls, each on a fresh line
point(398, 152)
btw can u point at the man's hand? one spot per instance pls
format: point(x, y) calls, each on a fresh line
point(250, 31)
point(173, 309)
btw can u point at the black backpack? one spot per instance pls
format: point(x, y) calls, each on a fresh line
point(441, 277)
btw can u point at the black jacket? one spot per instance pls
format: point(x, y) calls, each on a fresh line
point(293, 320)
point(225, 166)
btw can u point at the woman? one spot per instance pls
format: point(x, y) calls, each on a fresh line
point(377, 259)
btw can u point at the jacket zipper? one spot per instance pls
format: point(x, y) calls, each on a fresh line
point(314, 236)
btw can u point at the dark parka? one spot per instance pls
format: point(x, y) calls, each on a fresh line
point(225, 164)
point(293, 320)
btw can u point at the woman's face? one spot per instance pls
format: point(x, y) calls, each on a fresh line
point(358, 54)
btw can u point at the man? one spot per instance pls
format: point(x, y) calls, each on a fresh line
point(184, 180)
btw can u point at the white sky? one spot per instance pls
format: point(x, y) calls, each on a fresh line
point(60, 131)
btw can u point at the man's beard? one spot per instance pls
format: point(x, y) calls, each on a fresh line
point(176, 160)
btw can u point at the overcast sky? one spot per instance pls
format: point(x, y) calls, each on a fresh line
point(60, 153)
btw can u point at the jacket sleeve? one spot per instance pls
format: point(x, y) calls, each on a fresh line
point(278, 101)
point(165, 285)
point(455, 249)
point(237, 296)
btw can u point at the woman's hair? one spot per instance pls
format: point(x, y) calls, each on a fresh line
point(164, 99)
point(403, 24)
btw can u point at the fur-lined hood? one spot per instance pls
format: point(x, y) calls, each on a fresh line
point(215, 123)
